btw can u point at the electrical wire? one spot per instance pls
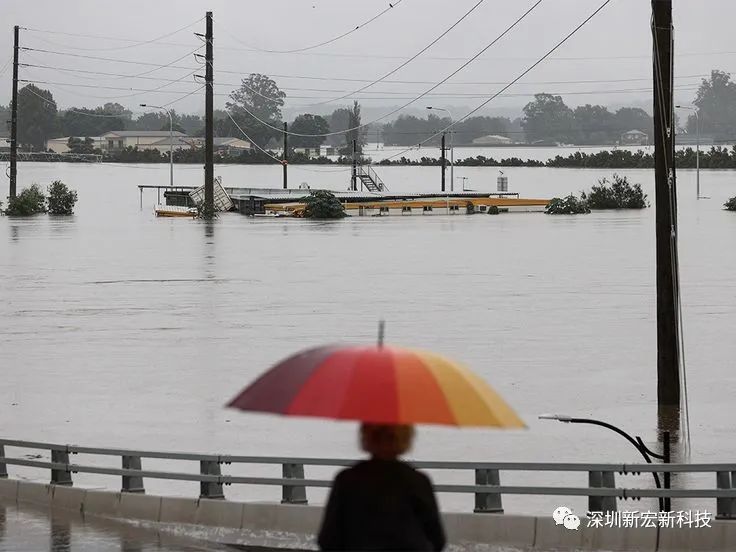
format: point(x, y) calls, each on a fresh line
point(100, 49)
point(448, 77)
point(313, 46)
point(412, 58)
point(518, 78)
point(279, 161)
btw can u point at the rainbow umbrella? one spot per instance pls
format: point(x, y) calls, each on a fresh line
point(377, 384)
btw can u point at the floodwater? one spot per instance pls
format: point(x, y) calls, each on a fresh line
point(119, 329)
point(34, 530)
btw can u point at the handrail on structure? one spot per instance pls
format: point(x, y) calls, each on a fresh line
point(601, 490)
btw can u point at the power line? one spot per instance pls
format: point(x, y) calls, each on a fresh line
point(312, 47)
point(448, 77)
point(415, 56)
point(518, 78)
point(98, 49)
point(540, 83)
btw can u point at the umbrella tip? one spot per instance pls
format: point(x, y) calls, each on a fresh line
point(381, 328)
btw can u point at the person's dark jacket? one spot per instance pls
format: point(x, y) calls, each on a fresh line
point(381, 505)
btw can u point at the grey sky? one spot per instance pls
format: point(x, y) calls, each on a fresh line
point(619, 39)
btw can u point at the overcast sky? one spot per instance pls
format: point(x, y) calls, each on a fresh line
point(614, 46)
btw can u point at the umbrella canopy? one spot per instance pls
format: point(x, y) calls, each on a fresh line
point(378, 384)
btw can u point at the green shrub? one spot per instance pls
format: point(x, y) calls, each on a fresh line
point(730, 205)
point(619, 194)
point(321, 204)
point(61, 199)
point(29, 202)
point(493, 210)
point(569, 205)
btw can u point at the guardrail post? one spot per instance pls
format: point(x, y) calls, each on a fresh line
point(132, 483)
point(601, 480)
point(208, 489)
point(724, 506)
point(3, 467)
point(608, 481)
point(61, 476)
point(487, 503)
point(293, 494)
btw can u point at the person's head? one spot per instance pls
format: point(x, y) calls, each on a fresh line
point(386, 442)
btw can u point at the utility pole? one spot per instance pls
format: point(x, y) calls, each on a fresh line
point(443, 161)
point(354, 179)
point(209, 150)
point(285, 159)
point(668, 371)
point(14, 119)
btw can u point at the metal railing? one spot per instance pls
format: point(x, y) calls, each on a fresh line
point(366, 170)
point(601, 491)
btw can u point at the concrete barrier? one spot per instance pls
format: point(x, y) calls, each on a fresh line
point(219, 513)
point(9, 490)
point(501, 529)
point(721, 538)
point(550, 536)
point(294, 526)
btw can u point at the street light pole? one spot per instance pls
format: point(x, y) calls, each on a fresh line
point(695, 110)
point(664, 502)
point(452, 146)
point(171, 141)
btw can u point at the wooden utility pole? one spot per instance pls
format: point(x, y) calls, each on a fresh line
point(209, 150)
point(443, 161)
point(285, 158)
point(668, 353)
point(14, 119)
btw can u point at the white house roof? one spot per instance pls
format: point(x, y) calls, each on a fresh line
point(637, 132)
point(141, 133)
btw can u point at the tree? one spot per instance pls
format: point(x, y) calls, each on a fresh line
point(716, 99)
point(569, 205)
point(257, 98)
point(61, 199)
point(352, 133)
point(595, 125)
point(29, 202)
point(176, 127)
point(81, 121)
point(308, 124)
point(77, 145)
point(321, 204)
point(36, 117)
point(619, 194)
point(547, 118)
point(339, 120)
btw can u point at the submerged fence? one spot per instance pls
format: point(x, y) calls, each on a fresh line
point(488, 490)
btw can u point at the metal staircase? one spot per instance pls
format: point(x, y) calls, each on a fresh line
point(369, 179)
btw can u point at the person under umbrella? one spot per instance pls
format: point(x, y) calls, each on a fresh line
point(381, 503)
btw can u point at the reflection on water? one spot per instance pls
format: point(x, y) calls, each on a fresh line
point(119, 329)
point(36, 530)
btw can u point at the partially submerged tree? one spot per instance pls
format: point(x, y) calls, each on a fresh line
point(569, 205)
point(30, 201)
point(321, 204)
point(308, 124)
point(619, 194)
point(61, 200)
point(730, 205)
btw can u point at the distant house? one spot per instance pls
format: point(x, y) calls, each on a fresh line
point(61, 145)
point(634, 138)
point(309, 152)
point(116, 140)
point(492, 140)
